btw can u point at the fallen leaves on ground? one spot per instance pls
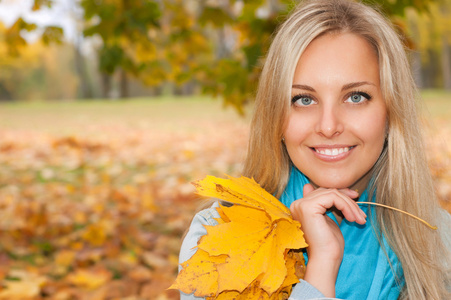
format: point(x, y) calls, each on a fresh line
point(439, 157)
point(99, 214)
point(255, 236)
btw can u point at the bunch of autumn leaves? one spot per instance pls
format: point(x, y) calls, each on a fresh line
point(253, 252)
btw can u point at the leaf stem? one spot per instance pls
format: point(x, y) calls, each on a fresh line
point(404, 212)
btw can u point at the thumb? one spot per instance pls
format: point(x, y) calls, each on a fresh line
point(308, 188)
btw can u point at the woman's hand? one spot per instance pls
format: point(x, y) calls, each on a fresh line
point(326, 244)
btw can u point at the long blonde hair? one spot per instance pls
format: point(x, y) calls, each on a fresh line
point(402, 177)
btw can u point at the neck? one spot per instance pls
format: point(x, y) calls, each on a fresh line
point(361, 184)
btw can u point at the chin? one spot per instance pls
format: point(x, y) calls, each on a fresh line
point(332, 183)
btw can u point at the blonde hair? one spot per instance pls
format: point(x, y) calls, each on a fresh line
point(402, 178)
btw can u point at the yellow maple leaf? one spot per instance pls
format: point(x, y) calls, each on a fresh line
point(294, 261)
point(253, 236)
point(253, 292)
point(243, 191)
point(254, 245)
point(199, 274)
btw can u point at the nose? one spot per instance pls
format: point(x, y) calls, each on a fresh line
point(330, 121)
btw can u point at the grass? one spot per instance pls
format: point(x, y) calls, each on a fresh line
point(437, 104)
point(160, 113)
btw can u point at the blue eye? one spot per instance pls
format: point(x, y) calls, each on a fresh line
point(305, 101)
point(302, 100)
point(358, 97)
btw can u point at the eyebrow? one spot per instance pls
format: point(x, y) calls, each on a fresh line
point(303, 87)
point(355, 84)
point(344, 88)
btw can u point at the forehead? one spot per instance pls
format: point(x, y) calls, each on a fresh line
point(344, 56)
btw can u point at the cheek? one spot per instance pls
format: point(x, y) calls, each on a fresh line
point(297, 129)
point(372, 131)
point(298, 126)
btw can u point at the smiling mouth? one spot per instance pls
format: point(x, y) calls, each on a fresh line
point(332, 151)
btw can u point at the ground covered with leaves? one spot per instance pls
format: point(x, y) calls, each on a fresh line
point(95, 197)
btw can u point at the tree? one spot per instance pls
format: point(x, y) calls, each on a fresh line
point(252, 24)
point(28, 73)
point(15, 55)
point(432, 32)
point(123, 27)
point(217, 44)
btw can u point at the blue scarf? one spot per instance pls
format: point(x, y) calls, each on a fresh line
point(365, 272)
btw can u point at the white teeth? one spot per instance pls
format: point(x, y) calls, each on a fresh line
point(333, 152)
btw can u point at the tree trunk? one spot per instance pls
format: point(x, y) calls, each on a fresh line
point(415, 62)
point(124, 93)
point(85, 86)
point(106, 85)
point(446, 64)
point(5, 95)
point(416, 69)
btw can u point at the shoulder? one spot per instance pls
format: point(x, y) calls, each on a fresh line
point(197, 230)
point(444, 227)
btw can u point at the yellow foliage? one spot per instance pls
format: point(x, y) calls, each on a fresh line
point(27, 287)
point(89, 279)
point(95, 234)
point(254, 235)
point(65, 258)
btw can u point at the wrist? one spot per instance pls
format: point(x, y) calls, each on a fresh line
point(322, 274)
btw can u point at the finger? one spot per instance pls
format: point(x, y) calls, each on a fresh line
point(351, 211)
point(333, 197)
point(308, 188)
point(321, 199)
point(350, 193)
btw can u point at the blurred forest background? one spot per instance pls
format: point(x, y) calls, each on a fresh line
point(117, 49)
point(108, 113)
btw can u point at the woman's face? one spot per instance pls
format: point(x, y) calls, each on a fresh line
point(337, 121)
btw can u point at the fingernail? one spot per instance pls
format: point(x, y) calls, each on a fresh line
point(363, 214)
point(355, 192)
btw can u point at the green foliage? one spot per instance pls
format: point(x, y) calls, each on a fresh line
point(110, 57)
point(398, 7)
point(38, 4)
point(219, 45)
point(237, 75)
point(215, 17)
point(14, 39)
point(52, 34)
point(28, 70)
point(432, 33)
point(122, 26)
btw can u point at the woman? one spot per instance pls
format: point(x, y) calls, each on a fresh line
point(335, 123)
